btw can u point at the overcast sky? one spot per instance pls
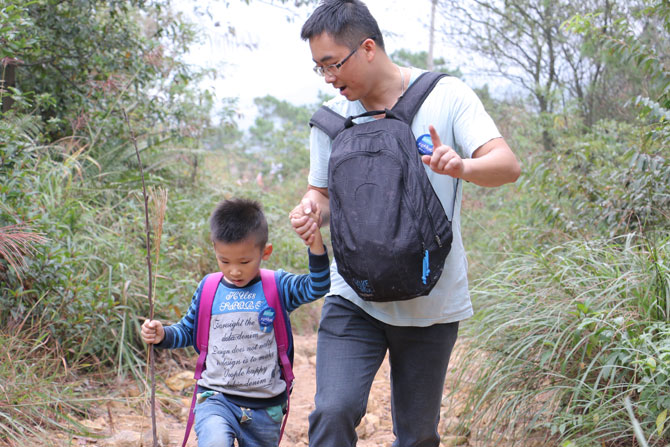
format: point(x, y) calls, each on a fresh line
point(280, 63)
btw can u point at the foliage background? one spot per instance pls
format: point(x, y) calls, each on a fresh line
point(569, 267)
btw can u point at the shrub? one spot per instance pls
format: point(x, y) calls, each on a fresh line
point(568, 333)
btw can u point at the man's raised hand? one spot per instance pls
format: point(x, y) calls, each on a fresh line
point(444, 159)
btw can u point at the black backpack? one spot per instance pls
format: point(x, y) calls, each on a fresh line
point(389, 230)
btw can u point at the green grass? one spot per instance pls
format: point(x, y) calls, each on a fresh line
point(572, 317)
point(566, 334)
point(38, 391)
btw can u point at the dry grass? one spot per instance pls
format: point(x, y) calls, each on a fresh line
point(17, 242)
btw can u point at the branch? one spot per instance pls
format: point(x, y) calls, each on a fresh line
point(151, 301)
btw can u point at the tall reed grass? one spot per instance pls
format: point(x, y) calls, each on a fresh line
point(38, 393)
point(564, 335)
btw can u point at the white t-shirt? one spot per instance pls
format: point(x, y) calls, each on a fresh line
point(462, 123)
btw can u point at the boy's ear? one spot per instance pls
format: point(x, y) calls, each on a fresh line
point(267, 251)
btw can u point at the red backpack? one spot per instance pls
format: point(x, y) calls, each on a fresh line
point(280, 329)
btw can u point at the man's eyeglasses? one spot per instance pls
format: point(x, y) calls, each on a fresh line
point(332, 69)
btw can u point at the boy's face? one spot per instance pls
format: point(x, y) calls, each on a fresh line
point(240, 262)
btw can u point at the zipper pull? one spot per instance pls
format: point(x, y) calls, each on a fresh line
point(426, 267)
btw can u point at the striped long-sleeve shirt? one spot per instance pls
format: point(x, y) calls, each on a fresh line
point(242, 357)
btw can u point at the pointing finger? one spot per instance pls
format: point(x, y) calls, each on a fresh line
point(435, 137)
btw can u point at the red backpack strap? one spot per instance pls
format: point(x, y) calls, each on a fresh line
point(281, 335)
point(212, 282)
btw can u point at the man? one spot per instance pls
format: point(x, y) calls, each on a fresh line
point(419, 334)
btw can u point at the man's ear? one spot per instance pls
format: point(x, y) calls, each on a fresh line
point(370, 48)
point(267, 251)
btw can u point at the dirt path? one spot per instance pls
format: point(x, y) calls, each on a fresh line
point(121, 424)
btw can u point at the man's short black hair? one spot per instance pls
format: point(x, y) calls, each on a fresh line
point(234, 220)
point(347, 21)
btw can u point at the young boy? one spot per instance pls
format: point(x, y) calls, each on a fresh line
point(241, 392)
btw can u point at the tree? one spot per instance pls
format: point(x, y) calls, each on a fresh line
point(78, 63)
point(598, 81)
point(419, 59)
point(431, 34)
point(521, 39)
point(280, 135)
point(525, 42)
point(614, 178)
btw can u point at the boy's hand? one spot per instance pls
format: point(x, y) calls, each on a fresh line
point(152, 332)
point(315, 243)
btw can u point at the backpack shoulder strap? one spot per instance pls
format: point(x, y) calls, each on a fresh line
point(269, 281)
point(268, 278)
point(331, 122)
point(408, 105)
point(212, 282)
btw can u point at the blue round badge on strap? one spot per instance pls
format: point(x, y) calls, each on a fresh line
point(266, 318)
point(425, 144)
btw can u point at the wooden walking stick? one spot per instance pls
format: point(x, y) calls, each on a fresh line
point(151, 301)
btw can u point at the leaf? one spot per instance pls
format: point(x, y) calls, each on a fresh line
point(583, 308)
point(660, 422)
point(651, 363)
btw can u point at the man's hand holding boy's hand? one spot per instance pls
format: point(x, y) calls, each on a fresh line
point(305, 219)
point(152, 332)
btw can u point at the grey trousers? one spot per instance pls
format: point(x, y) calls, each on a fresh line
point(351, 347)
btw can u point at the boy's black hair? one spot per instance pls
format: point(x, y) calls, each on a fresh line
point(234, 220)
point(347, 21)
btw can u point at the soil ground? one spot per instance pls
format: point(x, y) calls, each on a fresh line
point(126, 422)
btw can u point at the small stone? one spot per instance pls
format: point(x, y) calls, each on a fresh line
point(162, 434)
point(452, 441)
point(124, 438)
point(98, 425)
point(180, 381)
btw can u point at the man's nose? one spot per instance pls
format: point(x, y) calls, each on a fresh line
point(329, 78)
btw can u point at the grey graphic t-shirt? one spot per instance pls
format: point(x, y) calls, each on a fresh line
point(242, 351)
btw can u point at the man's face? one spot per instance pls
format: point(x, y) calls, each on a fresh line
point(240, 261)
point(328, 54)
